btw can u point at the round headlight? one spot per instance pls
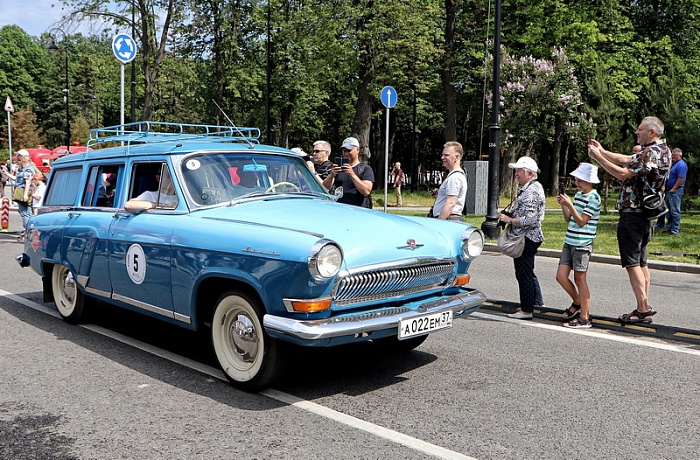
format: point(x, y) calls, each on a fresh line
point(472, 243)
point(325, 260)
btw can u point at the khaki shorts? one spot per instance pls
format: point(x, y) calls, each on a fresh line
point(576, 257)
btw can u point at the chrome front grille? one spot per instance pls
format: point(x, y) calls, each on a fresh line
point(385, 282)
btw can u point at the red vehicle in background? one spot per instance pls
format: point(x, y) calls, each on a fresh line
point(43, 157)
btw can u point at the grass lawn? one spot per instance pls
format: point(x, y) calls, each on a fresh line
point(672, 246)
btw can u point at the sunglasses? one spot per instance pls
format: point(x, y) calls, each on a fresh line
point(319, 151)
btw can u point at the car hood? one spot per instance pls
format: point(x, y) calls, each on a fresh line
point(364, 235)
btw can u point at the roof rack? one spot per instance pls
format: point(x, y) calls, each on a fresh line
point(147, 132)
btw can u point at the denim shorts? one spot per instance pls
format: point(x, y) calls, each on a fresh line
point(576, 257)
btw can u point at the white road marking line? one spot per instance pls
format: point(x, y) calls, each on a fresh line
point(308, 406)
point(591, 333)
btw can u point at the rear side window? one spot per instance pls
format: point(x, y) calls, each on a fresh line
point(102, 186)
point(64, 187)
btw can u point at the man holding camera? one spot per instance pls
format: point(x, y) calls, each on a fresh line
point(353, 180)
point(634, 230)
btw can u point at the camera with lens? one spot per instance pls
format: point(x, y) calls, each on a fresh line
point(308, 157)
point(500, 222)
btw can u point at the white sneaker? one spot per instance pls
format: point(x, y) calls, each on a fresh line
point(520, 315)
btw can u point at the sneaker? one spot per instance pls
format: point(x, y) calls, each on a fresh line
point(520, 315)
point(579, 323)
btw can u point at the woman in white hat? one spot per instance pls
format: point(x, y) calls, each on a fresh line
point(582, 216)
point(527, 216)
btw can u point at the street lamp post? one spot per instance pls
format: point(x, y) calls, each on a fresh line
point(66, 91)
point(490, 225)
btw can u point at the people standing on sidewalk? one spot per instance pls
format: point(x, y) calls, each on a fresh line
point(582, 216)
point(23, 182)
point(634, 230)
point(452, 195)
point(527, 217)
point(4, 176)
point(398, 181)
point(353, 181)
point(38, 191)
point(674, 193)
point(323, 166)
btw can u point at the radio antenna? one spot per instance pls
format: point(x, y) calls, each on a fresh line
point(234, 126)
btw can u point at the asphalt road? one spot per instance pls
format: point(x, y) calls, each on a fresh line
point(489, 388)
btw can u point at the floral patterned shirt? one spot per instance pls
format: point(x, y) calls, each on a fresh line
point(652, 165)
point(529, 207)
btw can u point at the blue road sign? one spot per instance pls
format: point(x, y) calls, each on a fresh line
point(388, 97)
point(124, 48)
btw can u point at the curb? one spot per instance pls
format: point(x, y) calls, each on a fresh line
point(659, 331)
point(615, 260)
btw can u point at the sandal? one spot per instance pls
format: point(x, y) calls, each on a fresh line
point(579, 323)
point(636, 316)
point(572, 312)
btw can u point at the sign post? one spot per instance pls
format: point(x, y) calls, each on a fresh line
point(124, 48)
point(9, 109)
point(388, 97)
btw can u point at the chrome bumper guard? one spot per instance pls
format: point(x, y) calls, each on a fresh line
point(361, 323)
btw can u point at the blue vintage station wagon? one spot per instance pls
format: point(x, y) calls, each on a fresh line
point(203, 227)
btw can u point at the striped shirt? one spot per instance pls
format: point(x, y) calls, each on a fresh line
point(585, 204)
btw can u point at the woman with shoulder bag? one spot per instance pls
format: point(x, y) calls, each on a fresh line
point(23, 183)
point(527, 217)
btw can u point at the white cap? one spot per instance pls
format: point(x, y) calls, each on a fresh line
point(587, 172)
point(349, 143)
point(298, 151)
point(524, 163)
point(23, 153)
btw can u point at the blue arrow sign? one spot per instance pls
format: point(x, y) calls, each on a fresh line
point(124, 48)
point(388, 97)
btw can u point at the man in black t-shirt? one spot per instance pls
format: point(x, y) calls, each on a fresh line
point(321, 163)
point(354, 179)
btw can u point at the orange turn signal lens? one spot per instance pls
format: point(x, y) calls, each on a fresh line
point(311, 305)
point(462, 280)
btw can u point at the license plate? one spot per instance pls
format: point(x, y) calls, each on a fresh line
point(424, 324)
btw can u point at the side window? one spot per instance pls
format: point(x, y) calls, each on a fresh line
point(153, 182)
point(62, 190)
point(101, 187)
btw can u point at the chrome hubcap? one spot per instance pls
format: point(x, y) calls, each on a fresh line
point(68, 287)
point(244, 338)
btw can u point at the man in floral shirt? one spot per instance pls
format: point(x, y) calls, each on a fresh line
point(634, 231)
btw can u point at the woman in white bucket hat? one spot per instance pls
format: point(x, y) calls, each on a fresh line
point(582, 216)
point(526, 216)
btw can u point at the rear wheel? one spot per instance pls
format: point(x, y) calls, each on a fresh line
point(393, 344)
point(250, 358)
point(70, 302)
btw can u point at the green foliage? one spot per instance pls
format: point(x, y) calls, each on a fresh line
point(615, 63)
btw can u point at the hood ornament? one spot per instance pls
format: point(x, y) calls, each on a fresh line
point(410, 244)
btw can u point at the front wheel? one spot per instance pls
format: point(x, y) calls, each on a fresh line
point(69, 300)
point(250, 358)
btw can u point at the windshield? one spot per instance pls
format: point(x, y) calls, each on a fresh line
point(220, 178)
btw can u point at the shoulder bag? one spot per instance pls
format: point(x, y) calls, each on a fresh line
point(511, 244)
point(18, 195)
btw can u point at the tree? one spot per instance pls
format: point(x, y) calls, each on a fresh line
point(25, 132)
point(541, 101)
point(152, 48)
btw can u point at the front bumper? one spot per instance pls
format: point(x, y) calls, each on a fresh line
point(361, 324)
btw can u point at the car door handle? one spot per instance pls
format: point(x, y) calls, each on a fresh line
point(73, 214)
point(119, 215)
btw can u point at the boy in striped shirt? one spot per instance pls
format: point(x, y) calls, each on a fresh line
point(582, 216)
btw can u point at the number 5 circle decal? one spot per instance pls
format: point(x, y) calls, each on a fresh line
point(136, 263)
